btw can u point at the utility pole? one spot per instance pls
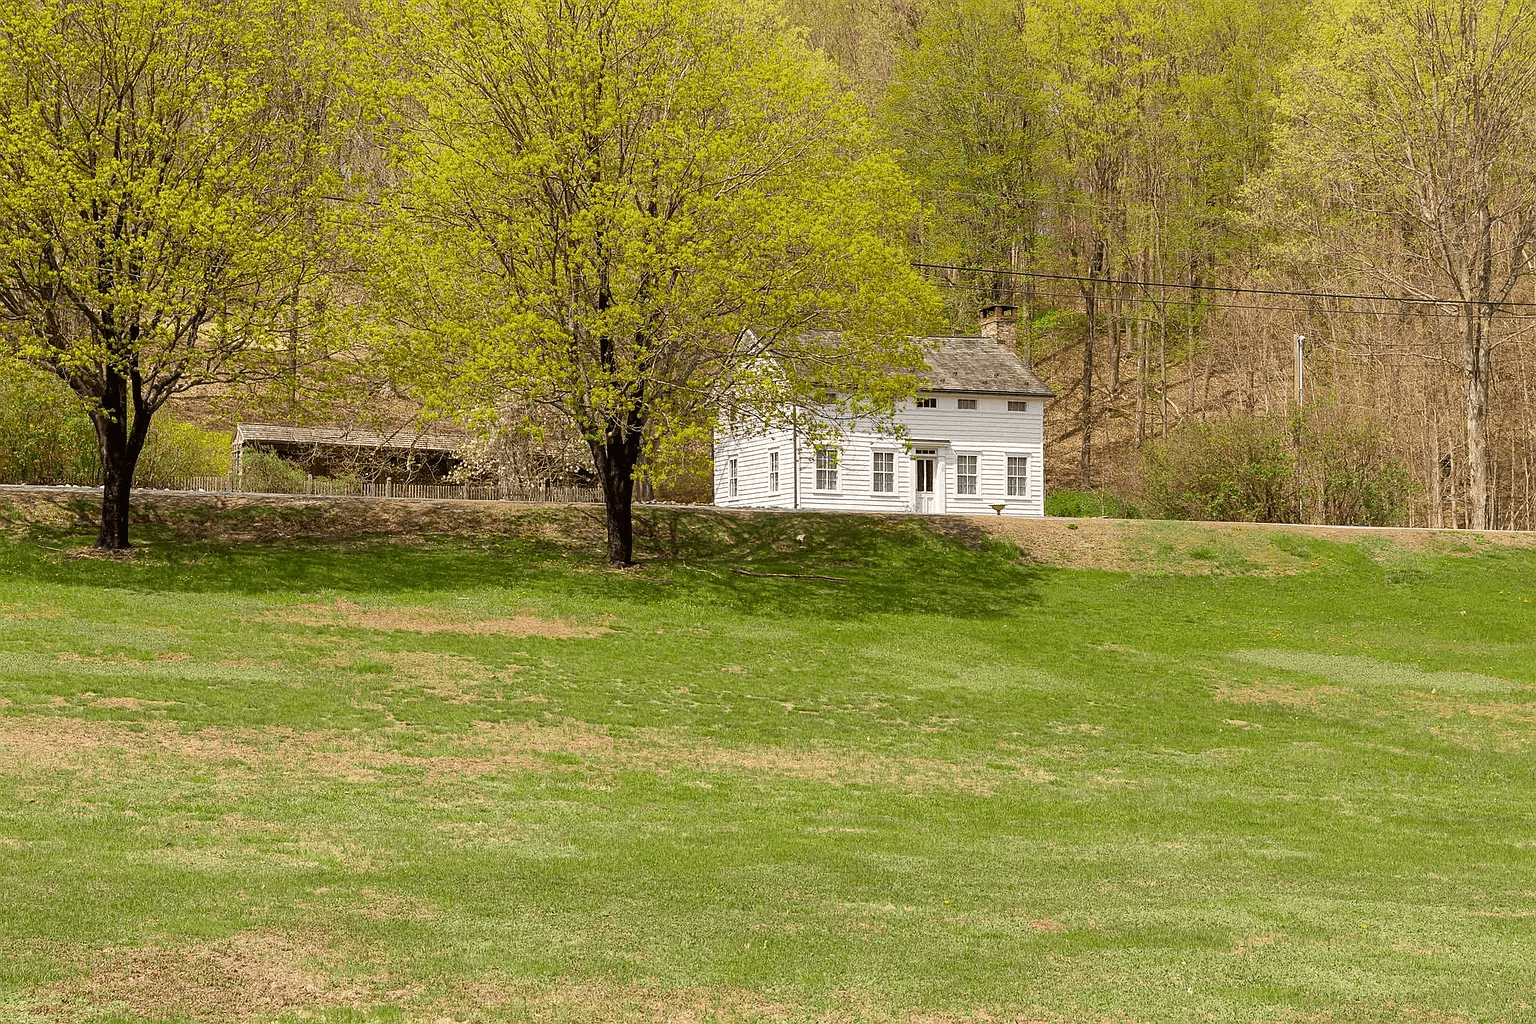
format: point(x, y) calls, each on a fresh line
point(1301, 342)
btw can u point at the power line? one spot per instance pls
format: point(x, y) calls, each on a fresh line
point(1205, 304)
point(1191, 286)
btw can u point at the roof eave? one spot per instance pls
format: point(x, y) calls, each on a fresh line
point(1047, 393)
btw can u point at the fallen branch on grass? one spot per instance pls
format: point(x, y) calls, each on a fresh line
point(790, 576)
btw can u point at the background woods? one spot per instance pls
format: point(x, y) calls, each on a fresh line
point(555, 212)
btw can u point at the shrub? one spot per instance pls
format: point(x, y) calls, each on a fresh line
point(45, 435)
point(267, 473)
point(176, 449)
point(1243, 469)
point(1067, 501)
point(1358, 481)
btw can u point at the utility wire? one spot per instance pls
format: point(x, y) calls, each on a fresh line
point(1191, 286)
point(1206, 304)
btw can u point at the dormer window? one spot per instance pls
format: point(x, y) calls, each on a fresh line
point(967, 403)
point(927, 403)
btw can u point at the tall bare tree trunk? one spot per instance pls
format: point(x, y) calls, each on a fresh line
point(1117, 325)
point(1162, 356)
point(1141, 382)
point(1477, 368)
point(1085, 464)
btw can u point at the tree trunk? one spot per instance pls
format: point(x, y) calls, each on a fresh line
point(616, 454)
point(120, 442)
point(1091, 302)
point(1141, 382)
point(1085, 469)
point(1477, 368)
point(1117, 324)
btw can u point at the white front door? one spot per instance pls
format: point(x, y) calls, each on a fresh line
point(924, 476)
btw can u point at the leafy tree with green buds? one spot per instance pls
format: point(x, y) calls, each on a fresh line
point(161, 164)
point(643, 216)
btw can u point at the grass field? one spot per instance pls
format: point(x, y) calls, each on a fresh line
point(456, 770)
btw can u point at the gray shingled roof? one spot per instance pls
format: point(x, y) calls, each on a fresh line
point(980, 364)
point(346, 437)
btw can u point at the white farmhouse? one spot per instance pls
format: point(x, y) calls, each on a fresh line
point(974, 441)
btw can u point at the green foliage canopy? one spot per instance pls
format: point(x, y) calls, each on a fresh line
point(644, 214)
point(162, 162)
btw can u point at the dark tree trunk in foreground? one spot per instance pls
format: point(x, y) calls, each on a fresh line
point(616, 454)
point(120, 440)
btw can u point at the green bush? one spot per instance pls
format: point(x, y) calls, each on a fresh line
point(1069, 502)
point(47, 438)
point(45, 435)
point(176, 449)
point(1237, 470)
point(1357, 479)
point(1243, 469)
point(266, 473)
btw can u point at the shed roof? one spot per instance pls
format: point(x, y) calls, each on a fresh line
point(346, 437)
point(980, 364)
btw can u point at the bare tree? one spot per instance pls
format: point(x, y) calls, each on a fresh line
point(1413, 122)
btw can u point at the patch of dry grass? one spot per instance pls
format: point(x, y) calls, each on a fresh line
point(54, 743)
point(251, 974)
point(1279, 694)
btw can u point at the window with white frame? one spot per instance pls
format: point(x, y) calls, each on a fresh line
point(885, 473)
point(826, 468)
point(965, 474)
point(773, 472)
point(966, 403)
point(927, 403)
point(733, 478)
point(1018, 476)
point(1018, 406)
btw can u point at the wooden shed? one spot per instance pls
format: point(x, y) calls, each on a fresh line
point(402, 456)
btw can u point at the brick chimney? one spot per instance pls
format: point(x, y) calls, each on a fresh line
point(1001, 324)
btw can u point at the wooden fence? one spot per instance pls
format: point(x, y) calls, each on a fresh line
point(390, 489)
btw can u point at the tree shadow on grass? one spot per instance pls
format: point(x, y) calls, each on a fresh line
point(839, 565)
point(833, 566)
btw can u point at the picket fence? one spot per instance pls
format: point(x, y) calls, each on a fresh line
point(390, 489)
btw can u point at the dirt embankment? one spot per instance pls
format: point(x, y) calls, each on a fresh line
point(1170, 546)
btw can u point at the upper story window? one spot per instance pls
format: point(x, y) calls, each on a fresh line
point(885, 473)
point(826, 469)
point(967, 403)
point(1018, 476)
point(1018, 406)
point(773, 472)
point(927, 403)
point(965, 474)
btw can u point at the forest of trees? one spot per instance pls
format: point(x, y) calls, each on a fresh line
point(573, 206)
point(1174, 191)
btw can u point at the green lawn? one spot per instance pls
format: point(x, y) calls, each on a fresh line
point(480, 777)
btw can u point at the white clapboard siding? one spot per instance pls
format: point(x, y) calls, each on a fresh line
point(990, 432)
